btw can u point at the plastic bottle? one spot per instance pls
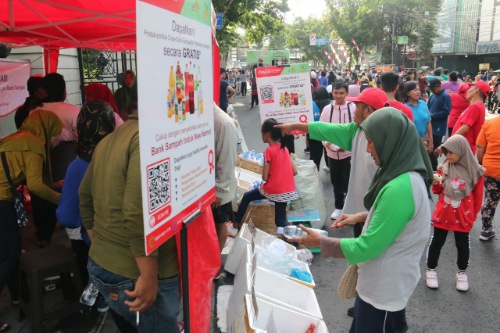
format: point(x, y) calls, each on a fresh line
point(311, 328)
point(293, 231)
point(89, 294)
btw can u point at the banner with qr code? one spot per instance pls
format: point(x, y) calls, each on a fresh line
point(174, 62)
point(285, 93)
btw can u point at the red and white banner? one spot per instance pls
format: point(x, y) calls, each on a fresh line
point(335, 54)
point(343, 50)
point(13, 92)
point(357, 49)
point(329, 58)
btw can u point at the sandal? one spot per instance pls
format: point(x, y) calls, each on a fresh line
point(4, 327)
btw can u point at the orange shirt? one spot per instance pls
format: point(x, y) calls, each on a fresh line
point(489, 137)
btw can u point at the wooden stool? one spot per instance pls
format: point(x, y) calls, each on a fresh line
point(51, 285)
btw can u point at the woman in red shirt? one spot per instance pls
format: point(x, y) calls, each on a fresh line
point(459, 103)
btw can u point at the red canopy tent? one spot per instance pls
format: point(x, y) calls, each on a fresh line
point(103, 25)
point(109, 26)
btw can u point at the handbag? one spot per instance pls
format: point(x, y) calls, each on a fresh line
point(346, 288)
point(22, 217)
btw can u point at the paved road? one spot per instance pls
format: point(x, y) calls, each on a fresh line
point(442, 310)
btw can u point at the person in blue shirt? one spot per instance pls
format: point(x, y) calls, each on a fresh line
point(323, 79)
point(439, 107)
point(421, 114)
point(95, 120)
point(226, 91)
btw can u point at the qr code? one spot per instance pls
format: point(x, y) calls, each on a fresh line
point(266, 94)
point(159, 184)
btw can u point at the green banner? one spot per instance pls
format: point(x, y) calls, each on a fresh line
point(266, 57)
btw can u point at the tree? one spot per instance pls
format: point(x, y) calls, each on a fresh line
point(374, 24)
point(297, 36)
point(259, 19)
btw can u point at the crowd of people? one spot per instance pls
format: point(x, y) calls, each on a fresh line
point(434, 114)
point(81, 166)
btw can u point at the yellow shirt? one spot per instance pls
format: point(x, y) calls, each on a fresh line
point(25, 165)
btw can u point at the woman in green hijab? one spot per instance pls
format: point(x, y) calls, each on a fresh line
point(27, 156)
point(396, 226)
point(127, 94)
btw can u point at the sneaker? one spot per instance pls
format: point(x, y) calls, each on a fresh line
point(336, 213)
point(350, 312)
point(181, 326)
point(220, 274)
point(326, 169)
point(100, 304)
point(487, 235)
point(462, 282)
point(431, 279)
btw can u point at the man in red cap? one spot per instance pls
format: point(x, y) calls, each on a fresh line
point(350, 137)
point(472, 119)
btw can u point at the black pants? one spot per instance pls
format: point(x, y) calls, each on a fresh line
point(289, 141)
point(243, 88)
point(255, 100)
point(44, 217)
point(438, 140)
point(339, 176)
point(10, 249)
point(315, 151)
point(370, 319)
point(437, 242)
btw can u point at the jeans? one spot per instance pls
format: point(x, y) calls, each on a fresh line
point(160, 317)
point(252, 195)
point(367, 318)
point(316, 151)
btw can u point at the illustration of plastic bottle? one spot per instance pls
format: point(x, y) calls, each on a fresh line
point(186, 92)
point(200, 98)
point(171, 86)
point(179, 92)
point(170, 104)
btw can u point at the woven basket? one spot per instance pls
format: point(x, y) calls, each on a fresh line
point(248, 165)
point(346, 288)
point(262, 215)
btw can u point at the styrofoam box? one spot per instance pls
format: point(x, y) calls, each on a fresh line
point(245, 180)
point(239, 247)
point(287, 320)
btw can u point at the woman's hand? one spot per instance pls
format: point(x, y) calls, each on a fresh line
point(312, 239)
point(348, 219)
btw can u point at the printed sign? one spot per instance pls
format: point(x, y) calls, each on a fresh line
point(219, 20)
point(13, 92)
point(312, 39)
point(402, 40)
point(484, 67)
point(321, 41)
point(285, 93)
point(176, 120)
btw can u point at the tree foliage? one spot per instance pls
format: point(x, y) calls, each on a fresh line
point(375, 23)
point(259, 19)
point(297, 36)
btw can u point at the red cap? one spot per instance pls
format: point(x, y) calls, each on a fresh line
point(483, 87)
point(373, 97)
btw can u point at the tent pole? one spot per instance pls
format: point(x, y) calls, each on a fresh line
point(185, 281)
point(82, 77)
